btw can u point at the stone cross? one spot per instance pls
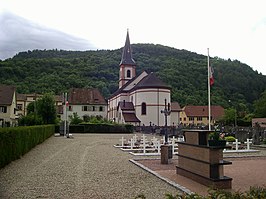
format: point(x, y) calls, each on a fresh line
point(132, 143)
point(248, 142)
point(157, 145)
point(122, 141)
point(135, 138)
point(236, 143)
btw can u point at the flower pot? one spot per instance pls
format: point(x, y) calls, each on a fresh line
point(217, 142)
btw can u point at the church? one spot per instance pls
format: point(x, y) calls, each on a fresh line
point(139, 99)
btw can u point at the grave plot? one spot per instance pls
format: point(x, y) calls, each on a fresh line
point(238, 147)
point(143, 146)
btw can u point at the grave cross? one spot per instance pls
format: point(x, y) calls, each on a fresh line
point(166, 113)
point(248, 142)
point(122, 141)
point(236, 143)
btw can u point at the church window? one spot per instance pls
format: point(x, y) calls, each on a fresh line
point(128, 73)
point(143, 108)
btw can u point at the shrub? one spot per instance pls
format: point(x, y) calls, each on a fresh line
point(230, 139)
point(16, 141)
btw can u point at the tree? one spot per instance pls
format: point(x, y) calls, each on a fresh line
point(46, 109)
point(75, 119)
point(229, 116)
point(260, 106)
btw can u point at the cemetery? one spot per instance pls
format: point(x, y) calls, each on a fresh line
point(194, 165)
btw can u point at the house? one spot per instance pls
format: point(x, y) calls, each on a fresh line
point(175, 113)
point(23, 100)
point(199, 115)
point(86, 102)
point(139, 99)
point(8, 116)
point(260, 121)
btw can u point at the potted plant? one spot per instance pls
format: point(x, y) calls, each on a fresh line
point(215, 139)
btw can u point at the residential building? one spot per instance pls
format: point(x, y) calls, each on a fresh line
point(260, 121)
point(199, 115)
point(8, 116)
point(23, 100)
point(86, 102)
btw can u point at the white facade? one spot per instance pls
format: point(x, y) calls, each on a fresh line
point(86, 110)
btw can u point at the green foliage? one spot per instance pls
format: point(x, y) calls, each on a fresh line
point(96, 120)
point(46, 108)
point(253, 193)
point(214, 135)
point(229, 116)
point(230, 139)
point(30, 120)
point(75, 119)
point(260, 106)
point(101, 128)
point(42, 111)
point(42, 71)
point(16, 141)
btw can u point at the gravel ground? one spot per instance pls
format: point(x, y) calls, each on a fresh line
point(87, 166)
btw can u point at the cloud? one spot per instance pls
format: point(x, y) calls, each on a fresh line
point(18, 34)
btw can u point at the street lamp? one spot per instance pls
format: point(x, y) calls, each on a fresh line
point(166, 112)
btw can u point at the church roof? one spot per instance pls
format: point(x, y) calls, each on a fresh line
point(126, 106)
point(130, 117)
point(127, 53)
point(151, 81)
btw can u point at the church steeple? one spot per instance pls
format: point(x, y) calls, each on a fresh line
point(127, 64)
point(127, 53)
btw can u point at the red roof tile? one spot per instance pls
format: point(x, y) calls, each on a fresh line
point(202, 111)
point(85, 96)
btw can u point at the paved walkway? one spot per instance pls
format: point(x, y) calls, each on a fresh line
point(87, 166)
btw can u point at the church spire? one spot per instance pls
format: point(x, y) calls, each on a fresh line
point(127, 53)
point(127, 64)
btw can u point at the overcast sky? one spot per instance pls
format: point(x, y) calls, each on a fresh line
point(230, 29)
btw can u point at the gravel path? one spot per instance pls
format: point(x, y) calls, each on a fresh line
point(87, 166)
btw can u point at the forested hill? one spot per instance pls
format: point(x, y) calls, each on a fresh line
point(41, 71)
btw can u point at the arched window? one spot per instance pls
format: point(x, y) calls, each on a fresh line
point(143, 108)
point(128, 73)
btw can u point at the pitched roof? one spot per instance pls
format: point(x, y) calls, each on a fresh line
point(127, 53)
point(6, 94)
point(151, 81)
point(126, 106)
point(21, 97)
point(85, 96)
point(202, 111)
point(130, 117)
point(175, 107)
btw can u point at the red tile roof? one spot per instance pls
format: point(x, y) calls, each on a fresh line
point(202, 111)
point(6, 94)
point(85, 96)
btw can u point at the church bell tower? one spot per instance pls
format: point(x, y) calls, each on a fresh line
point(127, 64)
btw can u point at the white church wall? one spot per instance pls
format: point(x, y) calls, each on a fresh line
point(154, 99)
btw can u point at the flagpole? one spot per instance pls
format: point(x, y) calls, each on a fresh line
point(209, 91)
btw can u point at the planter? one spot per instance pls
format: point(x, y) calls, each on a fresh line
point(217, 142)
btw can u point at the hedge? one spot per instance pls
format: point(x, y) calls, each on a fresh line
point(99, 128)
point(16, 141)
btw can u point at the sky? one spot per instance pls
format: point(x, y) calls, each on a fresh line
point(230, 29)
